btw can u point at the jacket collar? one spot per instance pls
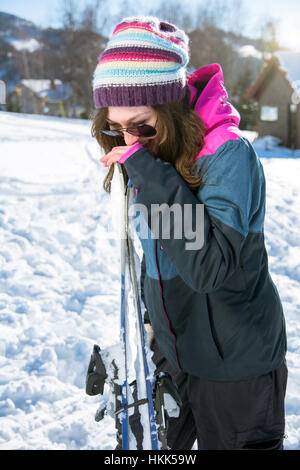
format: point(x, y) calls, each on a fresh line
point(220, 118)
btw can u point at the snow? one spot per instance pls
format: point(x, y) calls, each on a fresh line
point(249, 50)
point(270, 147)
point(2, 92)
point(29, 44)
point(171, 406)
point(60, 285)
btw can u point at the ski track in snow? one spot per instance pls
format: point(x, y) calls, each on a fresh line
point(59, 280)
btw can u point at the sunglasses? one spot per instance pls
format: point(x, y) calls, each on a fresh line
point(142, 130)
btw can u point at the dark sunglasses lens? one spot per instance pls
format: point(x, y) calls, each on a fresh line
point(149, 131)
point(140, 131)
point(143, 131)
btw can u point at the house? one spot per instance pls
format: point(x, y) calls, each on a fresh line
point(277, 91)
point(37, 96)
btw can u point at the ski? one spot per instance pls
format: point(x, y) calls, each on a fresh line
point(144, 385)
point(142, 380)
point(124, 311)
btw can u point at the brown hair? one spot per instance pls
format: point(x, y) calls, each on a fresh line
point(179, 139)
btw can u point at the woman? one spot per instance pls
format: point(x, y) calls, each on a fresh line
point(216, 314)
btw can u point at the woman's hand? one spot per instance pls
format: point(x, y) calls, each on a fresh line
point(114, 155)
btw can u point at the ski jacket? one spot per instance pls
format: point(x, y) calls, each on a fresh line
point(215, 310)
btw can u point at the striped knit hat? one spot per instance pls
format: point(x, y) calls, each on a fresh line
point(143, 64)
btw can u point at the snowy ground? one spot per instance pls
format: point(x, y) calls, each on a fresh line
point(59, 280)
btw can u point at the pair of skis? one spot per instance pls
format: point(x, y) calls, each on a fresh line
point(143, 383)
point(138, 399)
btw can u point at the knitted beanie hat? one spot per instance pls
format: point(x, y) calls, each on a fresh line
point(143, 64)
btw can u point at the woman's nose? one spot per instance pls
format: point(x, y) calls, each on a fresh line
point(130, 139)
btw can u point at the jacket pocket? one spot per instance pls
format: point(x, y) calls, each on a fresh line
point(213, 329)
point(275, 443)
point(261, 439)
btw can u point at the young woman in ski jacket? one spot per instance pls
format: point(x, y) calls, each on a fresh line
point(216, 314)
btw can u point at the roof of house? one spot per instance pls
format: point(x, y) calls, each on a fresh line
point(51, 89)
point(288, 63)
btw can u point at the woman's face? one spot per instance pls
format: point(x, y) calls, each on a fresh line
point(131, 116)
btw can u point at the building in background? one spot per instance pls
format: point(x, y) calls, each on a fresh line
point(35, 96)
point(277, 90)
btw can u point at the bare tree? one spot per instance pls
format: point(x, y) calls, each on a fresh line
point(175, 13)
point(268, 42)
point(229, 15)
point(210, 45)
point(69, 12)
point(124, 9)
point(81, 47)
point(95, 16)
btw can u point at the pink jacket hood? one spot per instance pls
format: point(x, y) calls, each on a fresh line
point(220, 118)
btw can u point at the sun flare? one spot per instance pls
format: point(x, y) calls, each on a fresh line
point(289, 36)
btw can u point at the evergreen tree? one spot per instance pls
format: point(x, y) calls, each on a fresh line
point(248, 108)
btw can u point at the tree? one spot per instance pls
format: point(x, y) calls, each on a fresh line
point(175, 13)
point(268, 42)
point(248, 108)
point(228, 15)
point(80, 48)
point(209, 45)
point(93, 18)
point(13, 103)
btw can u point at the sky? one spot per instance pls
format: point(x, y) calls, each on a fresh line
point(46, 13)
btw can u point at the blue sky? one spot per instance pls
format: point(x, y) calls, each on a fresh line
point(46, 13)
